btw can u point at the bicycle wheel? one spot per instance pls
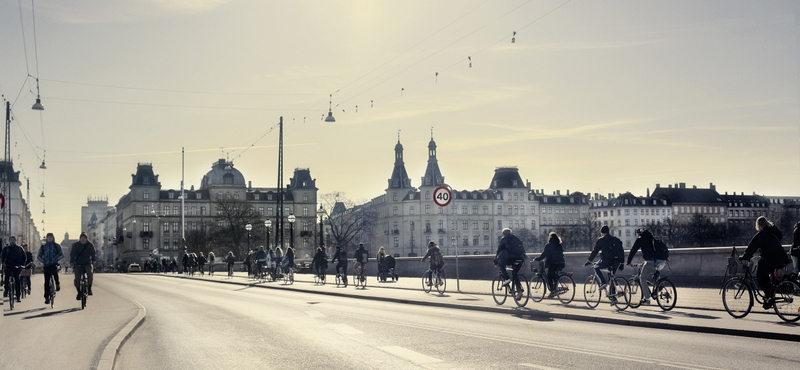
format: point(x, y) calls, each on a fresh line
point(591, 291)
point(566, 289)
point(737, 297)
point(521, 290)
point(322, 277)
point(286, 278)
point(52, 295)
point(665, 294)
point(636, 293)
point(426, 281)
point(622, 293)
point(537, 288)
point(11, 293)
point(364, 279)
point(338, 280)
point(316, 278)
point(787, 301)
point(23, 290)
point(441, 283)
point(84, 293)
point(499, 290)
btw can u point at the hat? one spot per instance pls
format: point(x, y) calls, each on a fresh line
point(431, 244)
point(604, 229)
point(83, 234)
point(50, 234)
point(12, 237)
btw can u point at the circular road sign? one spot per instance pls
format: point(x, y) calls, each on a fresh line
point(2, 201)
point(442, 196)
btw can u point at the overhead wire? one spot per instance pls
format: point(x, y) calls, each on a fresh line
point(178, 91)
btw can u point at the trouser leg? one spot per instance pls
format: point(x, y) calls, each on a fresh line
point(647, 269)
point(762, 275)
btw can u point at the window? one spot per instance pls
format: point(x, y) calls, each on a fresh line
point(533, 210)
point(145, 226)
point(175, 226)
point(305, 211)
point(227, 179)
point(395, 226)
point(474, 225)
point(146, 209)
point(486, 225)
point(202, 211)
point(427, 195)
point(486, 210)
point(627, 212)
point(394, 211)
point(499, 225)
point(146, 194)
point(166, 243)
point(427, 209)
point(411, 210)
point(411, 225)
point(463, 210)
point(499, 210)
point(198, 196)
point(474, 210)
point(533, 225)
point(394, 197)
point(516, 210)
point(260, 211)
point(464, 225)
point(510, 209)
point(176, 209)
point(396, 242)
point(171, 195)
point(305, 197)
point(441, 224)
point(475, 240)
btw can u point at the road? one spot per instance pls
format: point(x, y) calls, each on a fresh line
point(210, 325)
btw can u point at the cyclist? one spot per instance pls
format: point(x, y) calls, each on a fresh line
point(49, 255)
point(553, 256)
point(341, 267)
point(644, 241)
point(185, 261)
point(320, 261)
point(82, 258)
point(437, 260)
point(288, 259)
point(362, 257)
point(12, 258)
point(211, 259)
point(612, 255)
point(230, 260)
point(773, 256)
point(201, 263)
point(510, 249)
point(796, 247)
point(27, 268)
point(261, 260)
point(279, 259)
point(247, 262)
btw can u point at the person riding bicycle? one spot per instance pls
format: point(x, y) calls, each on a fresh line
point(288, 259)
point(362, 257)
point(279, 259)
point(261, 260)
point(795, 252)
point(27, 268)
point(380, 257)
point(553, 256)
point(82, 258)
point(341, 267)
point(230, 259)
point(644, 242)
point(49, 255)
point(437, 260)
point(12, 258)
point(773, 256)
point(211, 260)
point(509, 250)
point(320, 261)
point(613, 255)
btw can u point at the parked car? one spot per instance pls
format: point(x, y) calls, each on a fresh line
point(134, 267)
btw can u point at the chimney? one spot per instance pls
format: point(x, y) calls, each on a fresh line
point(683, 185)
point(567, 192)
point(558, 192)
point(658, 185)
point(648, 191)
point(250, 185)
point(711, 185)
point(694, 186)
point(670, 186)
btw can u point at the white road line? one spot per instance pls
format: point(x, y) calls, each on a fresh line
point(315, 314)
point(540, 367)
point(344, 329)
point(408, 354)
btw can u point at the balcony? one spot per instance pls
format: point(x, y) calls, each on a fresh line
point(305, 234)
point(395, 231)
point(427, 230)
point(146, 234)
point(442, 231)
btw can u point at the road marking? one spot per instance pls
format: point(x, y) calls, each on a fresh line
point(344, 329)
point(315, 314)
point(540, 367)
point(408, 354)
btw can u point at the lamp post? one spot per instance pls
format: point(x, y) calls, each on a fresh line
point(321, 212)
point(248, 227)
point(267, 225)
point(291, 220)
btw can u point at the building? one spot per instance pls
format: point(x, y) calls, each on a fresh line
point(744, 209)
point(689, 202)
point(568, 216)
point(408, 217)
point(16, 218)
point(148, 217)
point(625, 213)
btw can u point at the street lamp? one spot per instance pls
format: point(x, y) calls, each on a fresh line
point(248, 227)
point(453, 243)
point(291, 220)
point(267, 225)
point(321, 212)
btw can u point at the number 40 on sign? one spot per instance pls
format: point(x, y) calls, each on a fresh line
point(442, 196)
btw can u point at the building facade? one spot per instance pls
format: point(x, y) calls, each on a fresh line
point(149, 217)
point(625, 213)
point(16, 218)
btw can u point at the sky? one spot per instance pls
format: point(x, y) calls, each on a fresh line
point(598, 97)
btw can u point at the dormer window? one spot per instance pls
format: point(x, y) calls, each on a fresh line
point(227, 179)
point(513, 182)
point(146, 180)
point(146, 194)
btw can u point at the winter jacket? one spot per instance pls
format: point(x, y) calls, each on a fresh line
point(341, 256)
point(82, 254)
point(768, 242)
point(12, 255)
point(50, 253)
point(553, 254)
point(645, 243)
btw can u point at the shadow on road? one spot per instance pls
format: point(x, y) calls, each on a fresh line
point(14, 313)
point(52, 313)
point(691, 315)
point(531, 317)
point(646, 315)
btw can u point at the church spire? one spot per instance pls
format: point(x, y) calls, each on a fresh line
point(433, 175)
point(400, 177)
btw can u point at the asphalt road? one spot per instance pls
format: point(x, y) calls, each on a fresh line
point(210, 325)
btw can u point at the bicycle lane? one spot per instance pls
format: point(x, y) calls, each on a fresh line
point(759, 324)
point(65, 335)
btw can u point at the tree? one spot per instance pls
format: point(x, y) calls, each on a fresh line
point(587, 233)
point(232, 216)
point(348, 223)
point(531, 240)
point(198, 241)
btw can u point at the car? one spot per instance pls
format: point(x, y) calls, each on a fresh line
point(134, 267)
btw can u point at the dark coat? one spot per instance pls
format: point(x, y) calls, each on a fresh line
point(82, 254)
point(768, 242)
point(645, 243)
point(553, 254)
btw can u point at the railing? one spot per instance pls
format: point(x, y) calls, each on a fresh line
point(442, 231)
point(146, 234)
point(395, 231)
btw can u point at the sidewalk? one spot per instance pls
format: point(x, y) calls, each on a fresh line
point(697, 310)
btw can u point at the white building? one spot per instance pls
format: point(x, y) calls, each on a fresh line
point(16, 218)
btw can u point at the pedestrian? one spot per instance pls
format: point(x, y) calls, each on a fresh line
point(247, 262)
point(82, 258)
point(211, 260)
point(50, 253)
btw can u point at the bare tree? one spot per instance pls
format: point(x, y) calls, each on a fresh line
point(530, 239)
point(232, 216)
point(347, 222)
point(587, 233)
point(198, 241)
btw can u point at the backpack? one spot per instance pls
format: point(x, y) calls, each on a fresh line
point(615, 253)
point(437, 258)
point(515, 248)
point(660, 250)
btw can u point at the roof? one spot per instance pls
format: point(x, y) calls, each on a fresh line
point(685, 195)
point(507, 177)
point(223, 174)
point(144, 176)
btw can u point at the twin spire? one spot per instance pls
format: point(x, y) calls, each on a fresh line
point(433, 175)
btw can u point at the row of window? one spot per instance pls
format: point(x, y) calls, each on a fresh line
point(463, 241)
point(227, 195)
point(699, 209)
point(645, 212)
point(571, 210)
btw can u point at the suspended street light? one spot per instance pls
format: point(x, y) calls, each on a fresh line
point(330, 118)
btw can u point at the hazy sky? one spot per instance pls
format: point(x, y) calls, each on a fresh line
point(603, 97)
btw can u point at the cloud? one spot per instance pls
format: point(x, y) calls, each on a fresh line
point(104, 11)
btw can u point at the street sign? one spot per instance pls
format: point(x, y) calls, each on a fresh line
point(442, 196)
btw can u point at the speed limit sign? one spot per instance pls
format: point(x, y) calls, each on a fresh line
point(442, 196)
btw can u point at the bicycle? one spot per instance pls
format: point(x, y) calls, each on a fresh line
point(360, 277)
point(434, 278)
point(662, 290)
point(518, 288)
point(83, 288)
point(288, 275)
point(617, 290)
point(738, 294)
point(51, 285)
point(12, 290)
point(319, 276)
point(564, 289)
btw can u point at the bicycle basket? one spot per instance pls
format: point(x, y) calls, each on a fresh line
point(25, 272)
point(733, 266)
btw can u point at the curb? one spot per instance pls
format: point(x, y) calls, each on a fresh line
point(536, 313)
point(109, 355)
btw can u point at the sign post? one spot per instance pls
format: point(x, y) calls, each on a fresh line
point(442, 196)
